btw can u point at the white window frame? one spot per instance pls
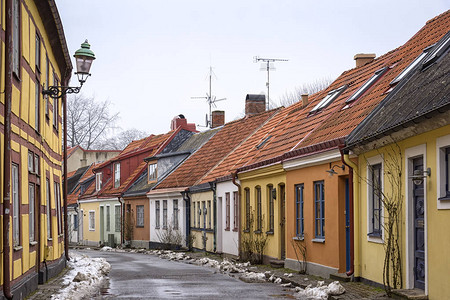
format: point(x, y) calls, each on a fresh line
point(176, 210)
point(108, 217)
point(140, 215)
point(152, 172)
point(116, 175)
point(367, 85)
point(98, 181)
point(329, 98)
point(165, 210)
point(31, 214)
point(370, 162)
point(49, 210)
point(441, 143)
point(15, 203)
point(91, 222)
point(117, 218)
point(58, 206)
point(157, 214)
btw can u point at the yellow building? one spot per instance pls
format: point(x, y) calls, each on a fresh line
point(403, 177)
point(37, 59)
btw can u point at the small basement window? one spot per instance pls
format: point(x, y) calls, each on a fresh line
point(328, 99)
point(369, 83)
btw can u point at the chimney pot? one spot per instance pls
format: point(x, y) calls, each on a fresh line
point(254, 104)
point(305, 99)
point(363, 58)
point(218, 118)
point(181, 121)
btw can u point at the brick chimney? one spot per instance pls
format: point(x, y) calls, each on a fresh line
point(180, 121)
point(218, 118)
point(362, 58)
point(305, 99)
point(254, 104)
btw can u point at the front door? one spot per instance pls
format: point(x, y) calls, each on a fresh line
point(282, 221)
point(347, 226)
point(419, 228)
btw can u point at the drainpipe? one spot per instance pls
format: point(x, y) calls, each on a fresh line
point(214, 190)
point(7, 150)
point(353, 202)
point(234, 177)
point(187, 200)
point(122, 211)
point(66, 225)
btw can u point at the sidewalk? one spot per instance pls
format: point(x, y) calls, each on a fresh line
point(45, 291)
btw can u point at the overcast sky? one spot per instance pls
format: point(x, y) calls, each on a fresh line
point(153, 56)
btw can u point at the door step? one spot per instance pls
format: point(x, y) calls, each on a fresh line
point(340, 277)
point(276, 263)
point(413, 294)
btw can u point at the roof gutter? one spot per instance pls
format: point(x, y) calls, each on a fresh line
point(7, 151)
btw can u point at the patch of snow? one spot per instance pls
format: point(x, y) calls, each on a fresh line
point(106, 248)
point(321, 291)
point(253, 277)
point(84, 278)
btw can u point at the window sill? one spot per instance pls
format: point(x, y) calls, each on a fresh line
point(235, 229)
point(298, 238)
point(445, 198)
point(89, 230)
point(142, 226)
point(17, 248)
point(318, 240)
point(269, 232)
point(246, 231)
point(33, 243)
point(49, 239)
point(374, 235)
point(257, 231)
point(375, 238)
point(227, 229)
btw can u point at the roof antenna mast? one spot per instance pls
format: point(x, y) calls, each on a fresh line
point(210, 99)
point(267, 64)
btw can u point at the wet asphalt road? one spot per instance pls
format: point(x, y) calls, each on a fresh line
point(141, 276)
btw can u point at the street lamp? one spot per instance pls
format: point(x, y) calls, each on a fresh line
point(84, 58)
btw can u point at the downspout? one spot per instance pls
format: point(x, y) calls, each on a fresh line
point(122, 212)
point(234, 176)
point(7, 150)
point(66, 223)
point(214, 190)
point(353, 201)
point(187, 200)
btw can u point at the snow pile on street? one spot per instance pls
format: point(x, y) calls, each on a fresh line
point(106, 248)
point(321, 291)
point(84, 278)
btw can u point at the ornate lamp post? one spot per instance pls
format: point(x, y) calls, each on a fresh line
point(84, 58)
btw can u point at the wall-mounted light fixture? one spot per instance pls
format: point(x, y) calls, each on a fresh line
point(419, 175)
point(331, 171)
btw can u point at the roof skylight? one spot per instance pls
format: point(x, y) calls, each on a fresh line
point(411, 66)
point(438, 50)
point(328, 99)
point(263, 142)
point(367, 84)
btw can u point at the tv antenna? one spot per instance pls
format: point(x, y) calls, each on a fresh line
point(211, 100)
point(267, 65)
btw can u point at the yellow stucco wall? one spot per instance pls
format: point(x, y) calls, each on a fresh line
point(90, 236)
point(271, 175)
point(437, 220)
point(196, 231)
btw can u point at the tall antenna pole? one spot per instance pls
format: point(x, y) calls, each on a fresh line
point(268, 61)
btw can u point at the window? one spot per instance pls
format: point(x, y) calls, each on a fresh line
point(37, 111)
point(36, 164)
point(440, 48)
point(92, 220)
point(157, 214)
point(152, 172)
point(199, 210)
point(58, 206)
point(193, 212)
point(15, 204)
point(270, 196)
point(49, 209)
point(75, 222)
point(375, 194)
point(227, 210)
point(116, 175)
point(209, 214)
point(47, 76)
point(175, 214)
point(411, 66)
point(367, 85)
point(38, 53)
point(117, 218)
point(55, 104)
point(108, 218)
point(446, 178)
point(247, 209)
point(16, 36)
point(330, 97)
point(299, 225)
point(139, 215)
point(30, 162)
point(258, 209)
point(235, 210)
point(98, 181)
point(164, 214)
point(31, 215)
point(319, 209)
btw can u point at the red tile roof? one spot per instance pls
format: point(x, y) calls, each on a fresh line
point(218, 147)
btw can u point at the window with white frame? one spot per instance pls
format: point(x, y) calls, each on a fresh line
point(299, 224)
point(15, 204)
point(175, 214)
point(209, 214)
point(139, 215)
point(37, 106)
point(164, 214)
point(235, 210)
point(227, 210)
point(31, 215)
point(199, 213)
point(157, 214)
point(374, 198)
point(36, 164)
point(117, 218)
point(247, 209)
point(270, 195)
point(152, 172)
point(16, 36)
point(328, 99)
point(319, 209)
point(92, 220)
point(48, 209)
point(443, 172)
point(367, 85)
point(75, 222)
point(58, 206)
point(258, 208)
point(108, 218)
point(116, 175)
point(98, 181)
point(30, 162)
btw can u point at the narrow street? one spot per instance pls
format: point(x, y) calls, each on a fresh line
point(140, 276)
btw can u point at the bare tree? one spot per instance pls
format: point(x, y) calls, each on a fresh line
point(122, 139)
point(315, 86)
point(88, 122)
